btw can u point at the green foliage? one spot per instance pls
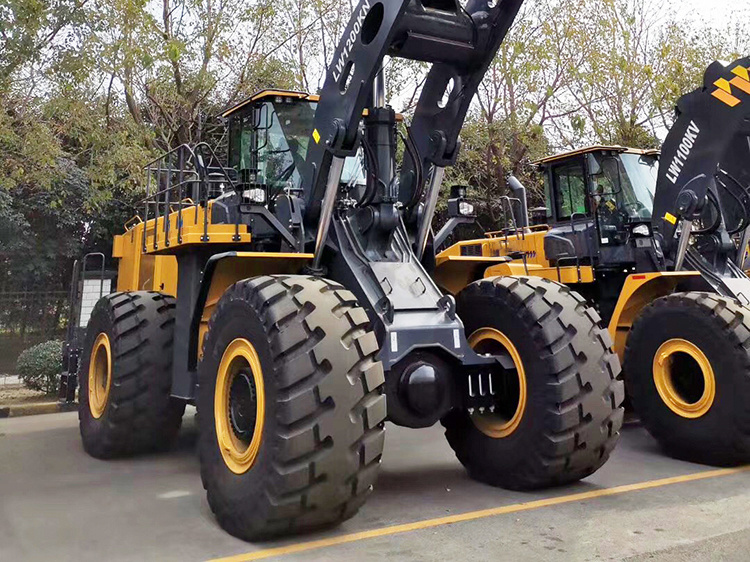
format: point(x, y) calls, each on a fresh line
point(50, 228)
point(31, 32)
point(489, 153)
point(28, 147)
point(91, 90)
point(68, 181)
point(39, 366)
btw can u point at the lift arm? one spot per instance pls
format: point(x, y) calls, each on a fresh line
point(374, 246)
point(702, 204)
point(460, 43)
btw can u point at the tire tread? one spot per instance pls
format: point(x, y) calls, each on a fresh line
point(318, 466)
point(731, 323)
point(575, 346)
point(142, 417)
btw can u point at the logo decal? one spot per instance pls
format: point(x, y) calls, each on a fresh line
point(724, 91)
point(683, 151)
point(350, 40)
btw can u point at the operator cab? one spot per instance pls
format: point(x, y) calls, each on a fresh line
point(599, 203)
point(268, 137)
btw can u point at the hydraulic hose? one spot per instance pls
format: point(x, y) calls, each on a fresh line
point(372, 174)
point(744, 205)
point(413, 152)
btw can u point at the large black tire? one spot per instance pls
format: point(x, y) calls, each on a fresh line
point(139, 415)
point(573, 412)
point(323, 431)
point(720, 328)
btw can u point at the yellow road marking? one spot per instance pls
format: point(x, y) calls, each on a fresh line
point(473, 515)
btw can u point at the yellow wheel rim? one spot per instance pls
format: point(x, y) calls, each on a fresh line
point(684, 378)
point(239, 406)
point(494, 424)
point(100, 375)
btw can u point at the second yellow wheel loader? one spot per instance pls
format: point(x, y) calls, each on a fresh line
point(657, 244)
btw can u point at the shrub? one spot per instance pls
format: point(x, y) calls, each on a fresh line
point(39, 366)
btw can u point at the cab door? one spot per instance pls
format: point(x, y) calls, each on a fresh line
point(573, 233)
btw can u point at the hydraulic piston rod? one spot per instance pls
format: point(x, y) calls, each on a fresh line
point(687, 227)
point(433, 189)
point(326, 211)
point(742, 248)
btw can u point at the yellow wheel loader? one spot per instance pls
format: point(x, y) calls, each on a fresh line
point(285, 292)
point(657, 245)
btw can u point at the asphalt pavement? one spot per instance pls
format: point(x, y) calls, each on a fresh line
point(56, 503)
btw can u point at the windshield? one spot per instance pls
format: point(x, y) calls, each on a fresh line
point(283, 139)
point(642, 171)
point(626, 183)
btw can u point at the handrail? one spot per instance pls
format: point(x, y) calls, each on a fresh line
point(587, 240)
point(188, 177)
point(131, 222)
point(192, 167)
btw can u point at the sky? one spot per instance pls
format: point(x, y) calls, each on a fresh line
point(715, 12)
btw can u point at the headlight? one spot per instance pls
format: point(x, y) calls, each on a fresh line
point(466, 209)
point(642, 230)
point(255, 195)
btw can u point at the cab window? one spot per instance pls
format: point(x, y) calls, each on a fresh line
point(547, 197)
point(570, 190)
point(240, 130)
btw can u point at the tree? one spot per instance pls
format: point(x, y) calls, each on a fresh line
point(75, 131)
point(520, 99)
point(639, 57)
point(30, 31)
point(89, 92)
point(578, 72)
point(47, 230)
point(178, 67)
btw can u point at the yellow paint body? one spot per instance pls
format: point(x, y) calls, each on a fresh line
point(154, 268)
point(491, 424)
point(100, 375)
point(664, 374)
point(240, 355)
point(471, 260)
point(149, 263)
point(244, 266)
point(638, 291)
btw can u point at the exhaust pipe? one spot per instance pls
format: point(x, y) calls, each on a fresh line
point(519, 191)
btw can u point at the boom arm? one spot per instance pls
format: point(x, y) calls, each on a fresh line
point(704, 180)
point(460, 43)
point(374, 246)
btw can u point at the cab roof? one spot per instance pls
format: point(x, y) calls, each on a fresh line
point(282, 93)
point(595, 148)
point(270, 94)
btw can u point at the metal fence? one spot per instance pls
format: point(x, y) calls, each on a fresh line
point(28, 318)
